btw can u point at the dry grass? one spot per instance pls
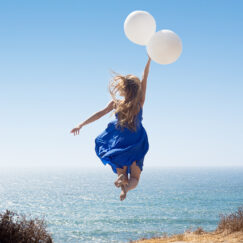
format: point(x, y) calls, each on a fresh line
point(232, 222)
point(211, 237)
point(17, 229)
point(229, 230)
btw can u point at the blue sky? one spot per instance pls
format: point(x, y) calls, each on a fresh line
point(56, 58)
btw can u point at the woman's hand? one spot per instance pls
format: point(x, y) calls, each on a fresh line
point(75, 130)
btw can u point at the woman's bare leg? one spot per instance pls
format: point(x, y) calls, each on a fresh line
point(122, 178)
point(132, 181)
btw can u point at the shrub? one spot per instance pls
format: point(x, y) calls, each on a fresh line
point(232, 222)
point(17, 229)
point(199, 231)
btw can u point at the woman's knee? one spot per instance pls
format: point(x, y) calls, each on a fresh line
point(122, 170)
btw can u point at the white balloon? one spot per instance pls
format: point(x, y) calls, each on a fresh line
point(139, 26)
point(164, 47)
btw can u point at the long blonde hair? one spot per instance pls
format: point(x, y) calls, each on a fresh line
point(128, 86)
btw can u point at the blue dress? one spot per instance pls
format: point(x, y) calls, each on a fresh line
point(119, 148)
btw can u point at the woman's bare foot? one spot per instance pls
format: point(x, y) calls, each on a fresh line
point(121, 180)
point(123, 193)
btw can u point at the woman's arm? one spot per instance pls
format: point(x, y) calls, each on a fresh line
point(94, 117)
point(144, 81)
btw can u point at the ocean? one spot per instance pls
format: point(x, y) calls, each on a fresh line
point(82, 205)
